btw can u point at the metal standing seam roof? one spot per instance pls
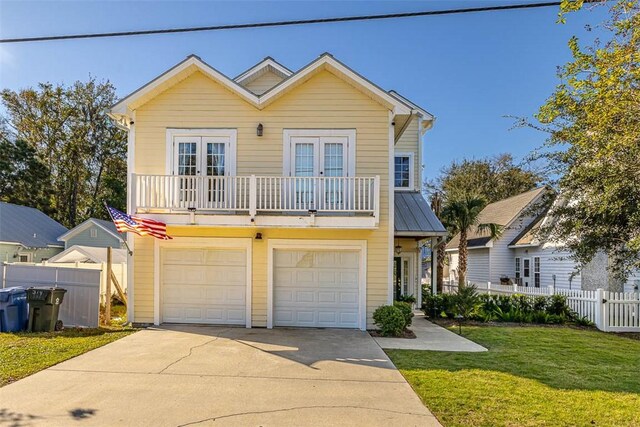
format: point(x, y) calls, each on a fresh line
point(413, 217)
point(28, 227)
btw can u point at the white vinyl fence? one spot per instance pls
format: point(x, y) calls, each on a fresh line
point(81, 303)
point(119, 270)
point(609, 311)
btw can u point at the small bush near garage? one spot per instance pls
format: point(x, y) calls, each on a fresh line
point(407, 311)
point(503, 308)
point(390, 320)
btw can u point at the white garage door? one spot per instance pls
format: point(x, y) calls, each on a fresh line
point(204, 286)
point(316, 288)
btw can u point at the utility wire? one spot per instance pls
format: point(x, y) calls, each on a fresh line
point(288, 23)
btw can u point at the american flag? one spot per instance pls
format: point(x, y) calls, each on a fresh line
point(140, 226)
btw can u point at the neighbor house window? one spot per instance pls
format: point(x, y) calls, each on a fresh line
point(24, 257)
point(94, 233)
point(517, 271)
point(403, 170)
point(536, 272)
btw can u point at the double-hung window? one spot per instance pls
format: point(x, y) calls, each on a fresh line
point(517, 272)
point(403, 171)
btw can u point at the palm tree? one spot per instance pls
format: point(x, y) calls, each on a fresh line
point(462, 214)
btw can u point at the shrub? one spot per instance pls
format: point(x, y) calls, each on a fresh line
point(558, 306)
point(540, 303)
point(583, 321)
point(467, 301)
point(441, 305)
point(407, 311)
point(389, 319)
point(407, 298)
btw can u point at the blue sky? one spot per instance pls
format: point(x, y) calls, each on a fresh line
point(469, 70)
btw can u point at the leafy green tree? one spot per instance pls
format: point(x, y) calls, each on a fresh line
point(23, 176)
point(462, 214)
point(493, 178)
point(593, 122)
point(85, 153)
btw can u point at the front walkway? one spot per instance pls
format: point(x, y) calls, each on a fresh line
point(430, 337)
point(190, 375)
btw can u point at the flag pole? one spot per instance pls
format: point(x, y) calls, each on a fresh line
point(123, 234)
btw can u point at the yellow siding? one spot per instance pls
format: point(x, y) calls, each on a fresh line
point(323, 102)
point(409, 143)
point(263, 83)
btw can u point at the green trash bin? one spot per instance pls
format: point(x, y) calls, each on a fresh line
point(44, 305)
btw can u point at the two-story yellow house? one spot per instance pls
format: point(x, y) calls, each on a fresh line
point(293, 197)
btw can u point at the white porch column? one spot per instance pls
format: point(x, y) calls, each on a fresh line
point(419, 274)
point(434, 266)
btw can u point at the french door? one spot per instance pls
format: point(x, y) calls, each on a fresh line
point(201, 163)
point(324, 157)
point(526, 271)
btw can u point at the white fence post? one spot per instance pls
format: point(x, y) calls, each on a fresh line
point(515, 287)
point(489, 288)
point(551, 289)
point(600, 310)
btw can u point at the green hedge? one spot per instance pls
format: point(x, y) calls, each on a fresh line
point(503, 308)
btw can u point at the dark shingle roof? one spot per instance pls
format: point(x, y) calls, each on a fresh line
point(28, 226)
point(414, 217)
point(502, 212)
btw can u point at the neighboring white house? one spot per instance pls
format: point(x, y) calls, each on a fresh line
point(520, 255)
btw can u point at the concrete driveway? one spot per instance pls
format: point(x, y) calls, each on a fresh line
point(191, 375)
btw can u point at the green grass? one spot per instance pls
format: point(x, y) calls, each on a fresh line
point(531, 376)
point(22, 354)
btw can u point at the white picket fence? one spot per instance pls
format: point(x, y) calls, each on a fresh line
point(80, 304)
point(609, 311)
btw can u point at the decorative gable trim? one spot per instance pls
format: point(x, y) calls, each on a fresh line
point(267, 64)
point(125, 106)
point(85, 225)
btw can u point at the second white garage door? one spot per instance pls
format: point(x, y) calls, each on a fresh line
point(204, 286)
point(316, 288)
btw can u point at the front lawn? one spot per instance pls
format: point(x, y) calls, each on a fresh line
point(531, 376)
point(22, 354)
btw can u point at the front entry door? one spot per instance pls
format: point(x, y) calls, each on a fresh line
point(526, 271)
point(402, 277)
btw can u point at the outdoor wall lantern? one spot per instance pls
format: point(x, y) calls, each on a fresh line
point(258, 236)
point(259, 129)
point(398, 249)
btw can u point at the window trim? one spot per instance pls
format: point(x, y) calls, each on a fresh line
point(172, 133)
point(411, 157)
point(29, 256)
point(93, 233)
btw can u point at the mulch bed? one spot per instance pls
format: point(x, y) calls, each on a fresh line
point(446, 322)
point(407, 333)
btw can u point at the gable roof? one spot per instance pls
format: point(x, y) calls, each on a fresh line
point(107, 226)
point(28, 227)
point(193, 63)
point(268, 64)
point(413, 217)
point(78, 253)
point(502, 212)
point(527, 237)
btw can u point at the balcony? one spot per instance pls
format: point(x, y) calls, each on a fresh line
point(329, 202)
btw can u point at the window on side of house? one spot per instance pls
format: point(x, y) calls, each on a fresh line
point(94, 233)
point(403, 170)
point(24, 257)
point(536, 272)
point(517, 275)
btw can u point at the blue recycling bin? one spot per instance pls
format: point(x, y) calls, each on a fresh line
point(14, 313)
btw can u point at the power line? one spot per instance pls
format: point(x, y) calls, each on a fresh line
point(288, 23)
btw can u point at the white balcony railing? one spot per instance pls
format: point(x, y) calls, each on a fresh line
point(254, 194)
